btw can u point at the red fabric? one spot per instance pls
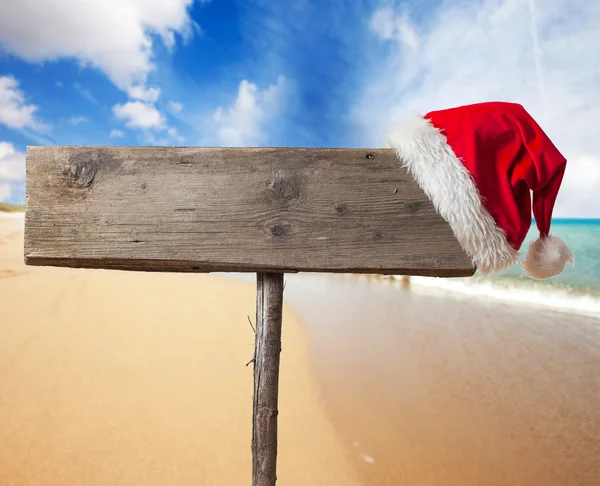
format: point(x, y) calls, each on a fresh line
point(508, 155)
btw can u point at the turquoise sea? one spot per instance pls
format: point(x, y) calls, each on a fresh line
point(583, 237)
point(575, 289)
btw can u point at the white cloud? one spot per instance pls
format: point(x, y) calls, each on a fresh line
point(116, 134)
point(144, 94)
point(175, 136)
point(85, 93)
point(137, 114)
point(469, 52)
point(171, 138)
point(175, 106)
point(244, 123)
point(12, 169)
point(382, 23)
point(387, 25)
point(111, 35)
point(77, 120)
point(14, 110)
point(579, 192)
point(5, 192)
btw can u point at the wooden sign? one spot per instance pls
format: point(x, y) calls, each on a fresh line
point(263, 210)
point(233, 209)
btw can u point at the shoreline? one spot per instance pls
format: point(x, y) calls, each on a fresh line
point(508, 290)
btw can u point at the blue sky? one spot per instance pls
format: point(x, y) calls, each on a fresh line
point(295, 73)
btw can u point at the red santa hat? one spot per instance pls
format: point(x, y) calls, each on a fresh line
point(478, 164)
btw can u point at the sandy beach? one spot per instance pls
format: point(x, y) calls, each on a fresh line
point(116, 378)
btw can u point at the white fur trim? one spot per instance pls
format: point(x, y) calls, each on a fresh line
point(424, 151)
point(547, 257)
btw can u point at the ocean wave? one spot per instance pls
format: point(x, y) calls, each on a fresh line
point(510, 290)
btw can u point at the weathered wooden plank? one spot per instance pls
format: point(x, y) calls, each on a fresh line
point(202, 209)
point(267, 348)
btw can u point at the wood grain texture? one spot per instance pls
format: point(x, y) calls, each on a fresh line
point(233, 209)
point(267, 349)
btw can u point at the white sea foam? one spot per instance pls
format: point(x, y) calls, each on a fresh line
point(545, 296)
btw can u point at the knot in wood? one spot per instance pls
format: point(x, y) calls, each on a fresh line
point(280, 229)
point(413, 207)
point(341, 208)
point(82, 168)
point(285, 188)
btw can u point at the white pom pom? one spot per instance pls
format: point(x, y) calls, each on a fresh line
point(547, 257)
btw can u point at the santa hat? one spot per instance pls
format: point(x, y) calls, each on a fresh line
point(478, 164)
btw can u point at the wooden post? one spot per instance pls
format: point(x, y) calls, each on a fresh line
point(269, 308)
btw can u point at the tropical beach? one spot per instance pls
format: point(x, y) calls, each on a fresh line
point(128, 378)
point(349, 243)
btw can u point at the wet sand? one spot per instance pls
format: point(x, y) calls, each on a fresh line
point(117, 378)
point(434, 391)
